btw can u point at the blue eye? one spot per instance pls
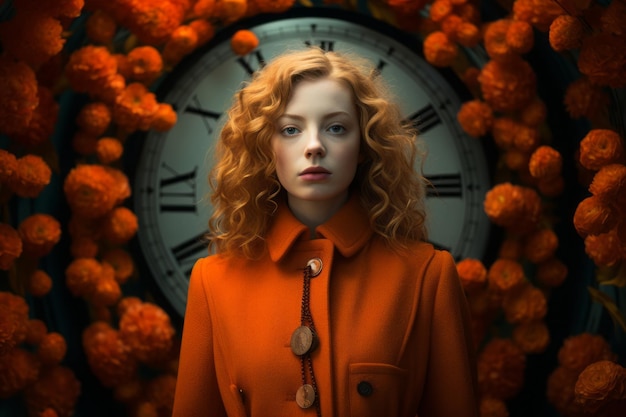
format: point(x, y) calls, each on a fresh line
point(337, 129)
point(290, 131)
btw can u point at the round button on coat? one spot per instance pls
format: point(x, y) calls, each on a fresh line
point(316, 266)
point(365, 389)
point(303, 340)
point(305, 396)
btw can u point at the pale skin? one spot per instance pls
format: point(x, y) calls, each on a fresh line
point(316, 145)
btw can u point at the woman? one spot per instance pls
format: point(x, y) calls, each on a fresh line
point(322, 298)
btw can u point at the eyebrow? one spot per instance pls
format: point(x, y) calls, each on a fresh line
point(326, 116)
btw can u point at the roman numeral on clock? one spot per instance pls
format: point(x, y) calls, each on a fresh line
point(177, 192)
point(209, 118)
point(187, 252)
point(425, 119)
point(252, 61)
point(444, 185)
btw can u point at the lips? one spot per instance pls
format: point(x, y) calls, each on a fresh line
point(314, 174)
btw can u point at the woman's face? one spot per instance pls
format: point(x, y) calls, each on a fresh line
point(316, 144)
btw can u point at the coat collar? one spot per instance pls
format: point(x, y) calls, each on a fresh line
point(349, 230)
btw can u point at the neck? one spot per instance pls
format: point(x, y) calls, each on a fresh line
point(315, 213)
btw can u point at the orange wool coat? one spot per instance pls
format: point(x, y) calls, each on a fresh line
point(396, 323)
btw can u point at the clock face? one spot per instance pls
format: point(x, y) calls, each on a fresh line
point(170, 186)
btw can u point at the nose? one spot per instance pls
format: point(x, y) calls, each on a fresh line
point(314, 146)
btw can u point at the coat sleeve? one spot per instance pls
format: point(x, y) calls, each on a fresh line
point(197, 392)
point(451, 384)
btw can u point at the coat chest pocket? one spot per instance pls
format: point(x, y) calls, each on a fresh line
point(375, 389)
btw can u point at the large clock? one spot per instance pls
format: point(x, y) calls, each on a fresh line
point(170, 184)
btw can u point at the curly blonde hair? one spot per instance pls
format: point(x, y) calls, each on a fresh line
point(245, 188)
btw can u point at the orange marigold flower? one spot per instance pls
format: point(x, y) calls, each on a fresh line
point(48, 412)
point(468, 34)
point(8, 328)
point(229, 11)
point(539, 13)
point(585, 99)
point(609, 183)
point(119, 225)
point(84, 247)
point(204, 29)
point(8, 165)
point(31, 177)
point(39, 283)
point(203, 9)
point(566, 32)
point(18, 95)
point(501, 366)
point(90, 190)
point(128, 391)
point(532, 337)
point(122, 186)
point(94, 119)
point(503, 132)
point(16, 310)
point(18, 369)
point(108, 357)
point(164, 118)
point(152, 22)
point(52, 349)
point(36, 330)
point(512, 206)
point(39, 233)
point(496, 45)
point(540, 245)
point(57, 388)
point(10, 246)
point(524, 304)
point(107, 291)
point(579, 351)
point(602, 58)
point(100, 27)
point(520, 37)
point(493, 407)
point(89, 68)
point(183, 41)
point(604, 249)
point(439, 50)
point(472, 273)
point(526, 138)
point(560, 391)
point(135, 107)
point(108, 150)
point(594, 216)
point(551, 273)
point(147, 330)
point(601, 147)
point(127, 303)
point(599, 384)
point(545, 162)
point(505, 275)
point(32, 36)
point(146, 64)
point(41, 126)
point(449, 26)
point(84, 143)
point(508, 86)
point(243, 42)
point(81, 276)
point(122, 263)
point(475, 117)
point(440, 9)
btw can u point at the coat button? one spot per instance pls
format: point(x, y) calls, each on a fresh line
point(316, 266)
point(365, 389)
point(305, 396)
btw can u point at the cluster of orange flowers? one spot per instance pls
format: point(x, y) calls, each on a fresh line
point(145, 336)
point(587, 379)
point(30, 361)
